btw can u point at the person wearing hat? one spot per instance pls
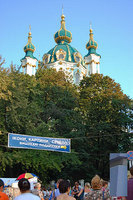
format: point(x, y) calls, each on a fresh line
point(24, 186)
point(3, 196)
point(96, 192)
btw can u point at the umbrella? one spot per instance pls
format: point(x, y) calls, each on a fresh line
point(26, 175)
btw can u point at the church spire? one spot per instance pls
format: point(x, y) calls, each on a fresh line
point(91, 43)
point(29, 35)
point(29, 61)
point(63, 35)
point(62, 9)
point(92, 59)
point(29, 46)
point(62, 19)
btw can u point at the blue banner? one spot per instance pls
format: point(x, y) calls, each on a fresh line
point(40, 143)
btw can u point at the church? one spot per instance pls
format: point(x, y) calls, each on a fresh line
point(63, 56)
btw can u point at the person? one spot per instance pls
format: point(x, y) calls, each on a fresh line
point(3, 196)
point(87, 188)
point(96, 193)
point(43, 191)
point(55, 193)
point(128, 174)
point(130, 185)
point(49, 192)
point(77, 191)
point(9, 191)
point(105, 185)
point(37, 191)
point(64, 188)
point(24, 186)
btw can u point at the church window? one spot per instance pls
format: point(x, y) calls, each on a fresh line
point(46, 59)
point(77, 57)
point(61, 56)
point(77, 78)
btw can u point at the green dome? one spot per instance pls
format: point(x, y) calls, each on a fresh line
point(91, 43)
point(69, 53)
point(63, 51)
point(29, 46)
point(63, 35)
point(92, 51)
point(91, 46)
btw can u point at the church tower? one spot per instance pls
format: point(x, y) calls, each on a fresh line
point(65, 57)
point(92, 59)
point(28, 63)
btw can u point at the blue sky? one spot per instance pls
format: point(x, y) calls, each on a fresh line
point(111, 23)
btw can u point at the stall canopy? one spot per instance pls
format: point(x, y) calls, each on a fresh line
point(8, 181)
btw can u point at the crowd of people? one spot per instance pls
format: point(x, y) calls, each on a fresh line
point(97, 190)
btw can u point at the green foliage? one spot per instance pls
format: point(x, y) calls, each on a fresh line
point(106, 114)
point(96, 117)
point(36, 107)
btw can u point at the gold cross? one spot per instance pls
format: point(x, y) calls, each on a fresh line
point(29, 28)
point(62, 9)
point(90, 25)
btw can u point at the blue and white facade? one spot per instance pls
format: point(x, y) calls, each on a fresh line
point(64, 57)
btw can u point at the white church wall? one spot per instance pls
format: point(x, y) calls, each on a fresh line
point(71, 68)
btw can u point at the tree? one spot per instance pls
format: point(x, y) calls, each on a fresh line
point(106, 115)
point(96, 117)
point(40, 107)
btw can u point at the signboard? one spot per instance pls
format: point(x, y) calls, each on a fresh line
point(130, 155)
point(40, 143)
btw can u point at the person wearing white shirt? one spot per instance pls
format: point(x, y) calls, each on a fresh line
point(24, 186)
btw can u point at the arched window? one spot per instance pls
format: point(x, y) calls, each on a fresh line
point(46, 58)
point(77, 78)
point(61, 56)
point(77, 57)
